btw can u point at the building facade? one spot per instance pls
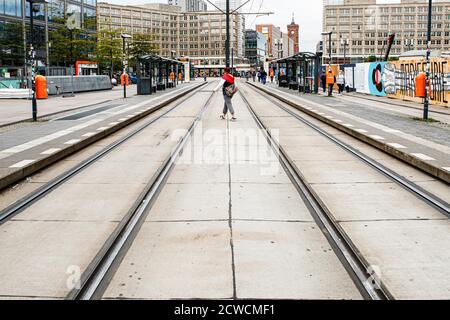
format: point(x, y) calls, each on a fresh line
point(367, 26)
point(235, 5)
point(198, 35)
point(189, 5)
point(255, 48)
point(294, 34)
point(14, 26)
point(279, 44)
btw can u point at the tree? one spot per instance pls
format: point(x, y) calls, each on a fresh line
point(371, 59)
point(109, 49)
point(68, 46)
point(140, 45)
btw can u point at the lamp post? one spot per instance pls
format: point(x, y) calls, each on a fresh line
point(329, 44)
point(33, 58)
point(345, 43)
point(427, 74)
point(125, 64)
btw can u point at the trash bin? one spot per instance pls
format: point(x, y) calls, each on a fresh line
point(41, 87)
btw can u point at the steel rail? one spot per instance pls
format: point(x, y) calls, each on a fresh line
point(95, 279)
point(434, 201)
point(355, 265)
point(25, 202)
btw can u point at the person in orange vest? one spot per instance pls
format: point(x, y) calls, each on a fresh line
point(180, 77)
point(271, 75)
point(331, 80)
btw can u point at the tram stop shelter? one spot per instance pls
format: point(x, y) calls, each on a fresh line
point(153, 73)
point(299, 72)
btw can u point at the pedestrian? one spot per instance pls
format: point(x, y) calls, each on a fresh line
point(323, 81)
point(254, 76)
point(272, 75)
point(341, 81)
point(247, 76)
point(330, 80)
point(180, 77)
point(227, 83)
point(263, 76)
point(172, 77)
point(259, 76)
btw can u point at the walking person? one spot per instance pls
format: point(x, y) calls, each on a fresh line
point(323, 81)
point(227, 83)
point(330, 80)
point(264, 77)
point(340, 81)
point(254, 76)
point(272, 75)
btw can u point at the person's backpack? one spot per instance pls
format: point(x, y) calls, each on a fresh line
point(231, 90)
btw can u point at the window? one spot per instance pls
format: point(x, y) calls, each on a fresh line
point(90, 2)
point(89, 19)
point(11, 7)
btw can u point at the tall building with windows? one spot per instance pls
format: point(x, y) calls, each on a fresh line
point(15, 20)
point(255, 48)
point(279, 44)
point(189, 5)
point(366, 25)
point(198, 35)
point(235, 5)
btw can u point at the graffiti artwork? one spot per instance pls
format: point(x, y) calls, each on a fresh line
point(400, 80)
point(369, 78)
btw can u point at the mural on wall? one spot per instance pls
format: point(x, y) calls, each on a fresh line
point(368, 78)
point(400, 79)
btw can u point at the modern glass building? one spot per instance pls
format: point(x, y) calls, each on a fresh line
point(255, 48)
point(49, 26)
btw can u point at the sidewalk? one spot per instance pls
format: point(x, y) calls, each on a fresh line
point(15, 110)
point(27, 149)
point(425, 146)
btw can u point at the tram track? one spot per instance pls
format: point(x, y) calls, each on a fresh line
point(25, 202)
point(346, 252)
point(107, 251)
point(416, 190)
point(357, 265)
point(95, 279)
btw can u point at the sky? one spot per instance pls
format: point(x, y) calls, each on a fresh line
point(308, 14)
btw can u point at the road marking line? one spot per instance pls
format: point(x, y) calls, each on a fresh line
point(329, 117)
point(392, 131)
point(397, 146)
point(422, 156)
point(89, 134)
point(349, 125)
point(113, 123)
point(446, 168)
point(22, 163)
point(123, 119)
point(338, 121)
point(50, 137)
point(377, 137)
point(361, 130)
point(73, 141)
point(51, 151)
point(102, 128)
point(321, 113)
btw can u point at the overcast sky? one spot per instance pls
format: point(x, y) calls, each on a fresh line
point(308, 14)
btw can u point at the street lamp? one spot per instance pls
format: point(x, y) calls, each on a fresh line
point(33, 58)
point(427, 74)
point(345, 43)
point(125, 64)
point(329, 43)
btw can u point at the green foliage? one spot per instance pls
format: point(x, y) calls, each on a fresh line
point(140, 45)
point(109, 48)
point(371, 59)
point(394, 59)
point(11, 44)
point(68, 46)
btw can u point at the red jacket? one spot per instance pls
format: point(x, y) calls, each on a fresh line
point(228, 78)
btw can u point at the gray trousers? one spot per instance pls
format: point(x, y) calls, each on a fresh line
point(228, 106)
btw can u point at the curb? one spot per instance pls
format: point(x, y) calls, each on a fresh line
point(32, 168)
point(432, 170)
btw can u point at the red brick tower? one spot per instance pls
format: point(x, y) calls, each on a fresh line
point(293, 32)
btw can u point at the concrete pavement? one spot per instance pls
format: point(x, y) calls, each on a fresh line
point(14, 110)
